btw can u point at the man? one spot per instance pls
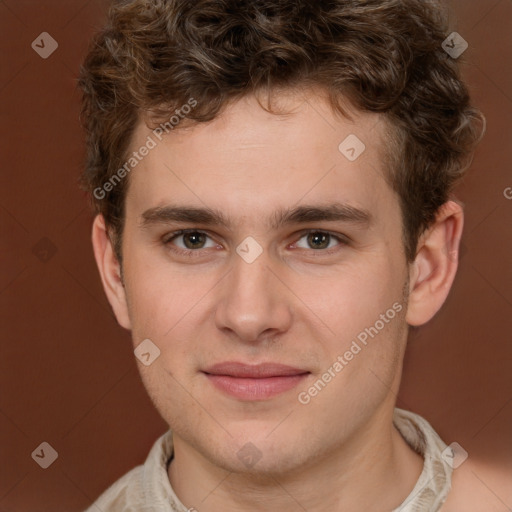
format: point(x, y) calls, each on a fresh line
point(273, 186)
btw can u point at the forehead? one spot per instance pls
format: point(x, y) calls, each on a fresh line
point(250, 160)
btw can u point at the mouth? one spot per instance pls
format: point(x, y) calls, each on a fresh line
point(254, 382)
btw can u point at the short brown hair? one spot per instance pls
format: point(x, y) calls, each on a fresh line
point(384, 56)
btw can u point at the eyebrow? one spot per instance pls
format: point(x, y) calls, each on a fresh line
point(334, 212)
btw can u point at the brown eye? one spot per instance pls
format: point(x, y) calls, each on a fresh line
point(194, 240)
point(318, 240)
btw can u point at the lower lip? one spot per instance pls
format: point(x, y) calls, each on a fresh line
point(255, 389)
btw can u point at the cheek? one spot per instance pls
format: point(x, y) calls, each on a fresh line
point(173, 395)
point(353, 298)
point(161, 297)
point(364, 309)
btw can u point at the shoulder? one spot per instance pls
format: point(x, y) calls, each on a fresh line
point(145, 487)
point(469, 492)
point(124, 495)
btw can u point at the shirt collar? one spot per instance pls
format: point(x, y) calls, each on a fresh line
point(434, 483)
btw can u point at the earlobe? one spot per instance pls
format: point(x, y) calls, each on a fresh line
point(110, 271)
point(435, 266)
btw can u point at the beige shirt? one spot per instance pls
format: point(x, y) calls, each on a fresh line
point(146, 488)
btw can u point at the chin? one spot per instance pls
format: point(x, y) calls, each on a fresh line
point(271, 465)
point(258, 455)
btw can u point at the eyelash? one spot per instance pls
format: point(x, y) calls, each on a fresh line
point(341, 239)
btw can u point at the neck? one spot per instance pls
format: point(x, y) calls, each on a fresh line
point(375, 470)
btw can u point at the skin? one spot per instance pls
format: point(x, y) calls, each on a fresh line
point(296, 304)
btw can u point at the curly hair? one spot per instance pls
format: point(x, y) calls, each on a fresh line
point(383, 56)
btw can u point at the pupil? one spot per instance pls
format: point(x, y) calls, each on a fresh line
point(323, 238)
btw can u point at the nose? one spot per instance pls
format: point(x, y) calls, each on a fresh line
point(253, 304)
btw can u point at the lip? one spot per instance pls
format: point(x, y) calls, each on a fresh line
point(254, 382)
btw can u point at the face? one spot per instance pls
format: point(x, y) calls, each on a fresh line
point(279, 314)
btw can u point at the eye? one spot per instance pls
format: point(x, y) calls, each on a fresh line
point(189, 240)
point(320, 240)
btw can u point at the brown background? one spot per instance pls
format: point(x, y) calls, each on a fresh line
point(67, 371)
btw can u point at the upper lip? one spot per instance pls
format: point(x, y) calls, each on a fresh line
point(255, 371)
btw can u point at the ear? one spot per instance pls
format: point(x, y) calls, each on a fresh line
point(110, 271)
point(435, 265)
